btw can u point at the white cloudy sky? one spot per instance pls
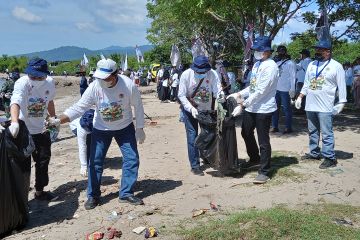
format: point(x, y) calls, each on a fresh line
point(37, 25)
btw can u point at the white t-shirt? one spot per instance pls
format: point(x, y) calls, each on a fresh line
point(287, 74)
point(301, 69)
point(33, 102)
point(349, 76)
point(175, 80)
point(320, 91)
point(260, 94)
point(203, 98)
point(160, 73)
point(113, 105)
point(231, 77)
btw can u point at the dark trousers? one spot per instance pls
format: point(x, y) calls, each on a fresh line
point(41, 157)
point(260, 121)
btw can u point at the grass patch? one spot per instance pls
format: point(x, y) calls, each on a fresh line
point(311, 222)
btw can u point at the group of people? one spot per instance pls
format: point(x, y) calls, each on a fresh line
point(352, 75)
point(104, 111)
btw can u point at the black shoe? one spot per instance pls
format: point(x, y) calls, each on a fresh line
point(91, 203)
point(308, 156)
point(197, 171)
point(274, 130)
point(327, 163)
point(132, 200)
point(45, 196)
point(250, 164)
point(287, 130)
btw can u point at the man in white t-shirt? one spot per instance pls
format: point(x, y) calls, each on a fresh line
point(285, 90)
point(259, 106)
point(301, 69)
point(32, 101)
point(349, 79)
point(323, 78)
point(113, 96)
point(205, 81)
point(174, 84)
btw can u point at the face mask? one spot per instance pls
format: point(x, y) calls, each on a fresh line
point(319, 57)
point(199, 76)
point(36, 83)
point(258, 55)
point(105, 84)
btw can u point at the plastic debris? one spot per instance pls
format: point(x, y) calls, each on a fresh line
point(213, 206)
point(76, 216)
point(343, 221)
point(151, 232)
point(139, 230)
point(199, 212)
point(349, 192)
point(113, 233)
point(95, 236)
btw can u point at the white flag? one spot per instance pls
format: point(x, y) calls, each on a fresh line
point(198, 48)
point(139, 55)
point(125, 67)
point(85, 60)
point(175, 56)
point(102, 56)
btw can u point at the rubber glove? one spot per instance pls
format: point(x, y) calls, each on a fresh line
point(298, 102)
point(221, 98)
point(52, 121)
point(140, 135)
point(338, 108)
point(292, 94)
point(236, 96)
point(7, 95)
point(14, 129)
point(237, 111)
point(194, 112)
point(1, 129)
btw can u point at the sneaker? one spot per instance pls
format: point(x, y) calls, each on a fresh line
point(274, 130)
point(261, 179)
point(308, 156)
point(250, 164)
point(45, 196)
point(197, 171)
point(91, 203)
point(132, 200)
point(327, 163)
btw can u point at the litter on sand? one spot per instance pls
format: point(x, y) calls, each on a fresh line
point(199, 212)
point(151, 232)
point(95, 236)
point(139, 230)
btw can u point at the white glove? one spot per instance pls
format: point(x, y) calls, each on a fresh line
point(194, 112)
point(54, 122)
point(1, 129)
point(292, 94)
point(140, 135)
point(237, 111)
point(7, 95)
point(221, 98)
point(14, 129)
point(83, 171)
point(298, 102)
point(338, 108)
point(236, 96)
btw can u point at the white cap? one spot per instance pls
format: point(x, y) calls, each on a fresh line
point(105, 67)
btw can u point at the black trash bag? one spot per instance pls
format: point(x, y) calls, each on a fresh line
point(207, 140)
point(231, 104)
point(227, 143)
point(15, 166)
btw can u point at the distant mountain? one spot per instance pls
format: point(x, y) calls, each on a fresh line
point(68, 53)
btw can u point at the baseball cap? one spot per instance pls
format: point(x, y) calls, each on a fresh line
point(105, 67)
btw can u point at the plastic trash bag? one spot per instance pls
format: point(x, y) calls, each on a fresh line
point(15, 169)
point(217, 139)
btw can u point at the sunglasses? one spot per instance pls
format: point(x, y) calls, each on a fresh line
point(36, 78)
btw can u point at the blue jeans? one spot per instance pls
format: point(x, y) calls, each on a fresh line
point(319, 121)
point(100, 142)
point(282, 99)
point(191, 127)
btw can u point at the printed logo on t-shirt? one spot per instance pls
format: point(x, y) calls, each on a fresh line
point(252, 83)
point(36, 107)
point(317, 83)
point(203, 95)
point(111, 111)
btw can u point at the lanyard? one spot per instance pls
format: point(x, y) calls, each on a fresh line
point(317, 68)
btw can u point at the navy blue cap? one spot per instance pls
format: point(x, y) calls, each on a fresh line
point(262, 44)
point(201, 64)
point(323, 43)
point(37, 67)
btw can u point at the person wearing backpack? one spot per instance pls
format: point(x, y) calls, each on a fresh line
point(285, 90)
point(199, 86)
